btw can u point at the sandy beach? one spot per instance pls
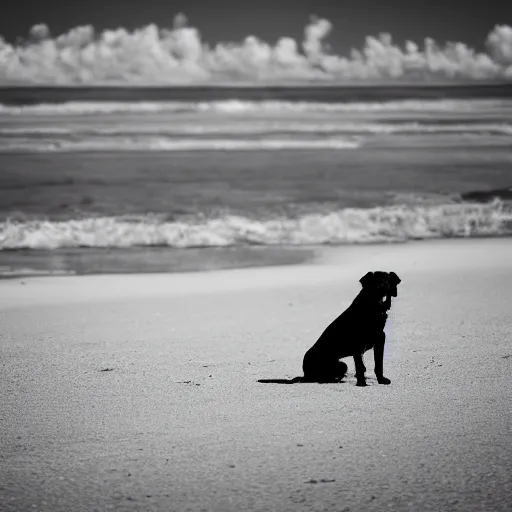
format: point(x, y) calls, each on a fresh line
point(141, 392)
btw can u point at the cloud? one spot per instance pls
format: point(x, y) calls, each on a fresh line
point(153, 56)
point(499, 43)
point(314, 34)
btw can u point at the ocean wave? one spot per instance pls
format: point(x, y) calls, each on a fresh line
point(349, 226)
point(488, 195)
point(172, 144)
point(243, 107)
point(264, 128)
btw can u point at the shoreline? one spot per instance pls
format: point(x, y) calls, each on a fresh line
point(325, 265)
point(25, 263)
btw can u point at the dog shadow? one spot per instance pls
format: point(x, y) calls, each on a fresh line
point(299, 380)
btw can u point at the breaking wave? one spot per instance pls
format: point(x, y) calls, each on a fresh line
point(234, 106)
point(347, 226)
point(170, 144)
point(267, 127)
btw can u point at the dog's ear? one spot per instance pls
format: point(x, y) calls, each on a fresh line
point(368, 279)
point(396, 280)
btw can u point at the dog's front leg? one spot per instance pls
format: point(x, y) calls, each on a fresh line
point(360, 369)
point(378, 353)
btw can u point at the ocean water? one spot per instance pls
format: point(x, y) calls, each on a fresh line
point(105, 180)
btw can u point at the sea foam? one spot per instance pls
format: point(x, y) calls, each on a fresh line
point(348, 226)
point(139, 143)
point(234, 106)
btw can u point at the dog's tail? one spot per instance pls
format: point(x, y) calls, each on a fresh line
point(282, 381)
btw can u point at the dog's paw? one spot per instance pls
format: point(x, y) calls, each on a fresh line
point(361, 382)
point(383, 380)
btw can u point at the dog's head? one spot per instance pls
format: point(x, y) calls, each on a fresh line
point(380, 284)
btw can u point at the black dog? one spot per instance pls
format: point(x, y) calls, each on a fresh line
point(358, 329)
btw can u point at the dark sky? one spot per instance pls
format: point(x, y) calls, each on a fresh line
point(231, 20)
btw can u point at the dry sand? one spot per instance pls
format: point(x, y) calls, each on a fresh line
point(181, 423)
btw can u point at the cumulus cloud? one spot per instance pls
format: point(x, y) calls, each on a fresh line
point(499, 43)
point(156, 56)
